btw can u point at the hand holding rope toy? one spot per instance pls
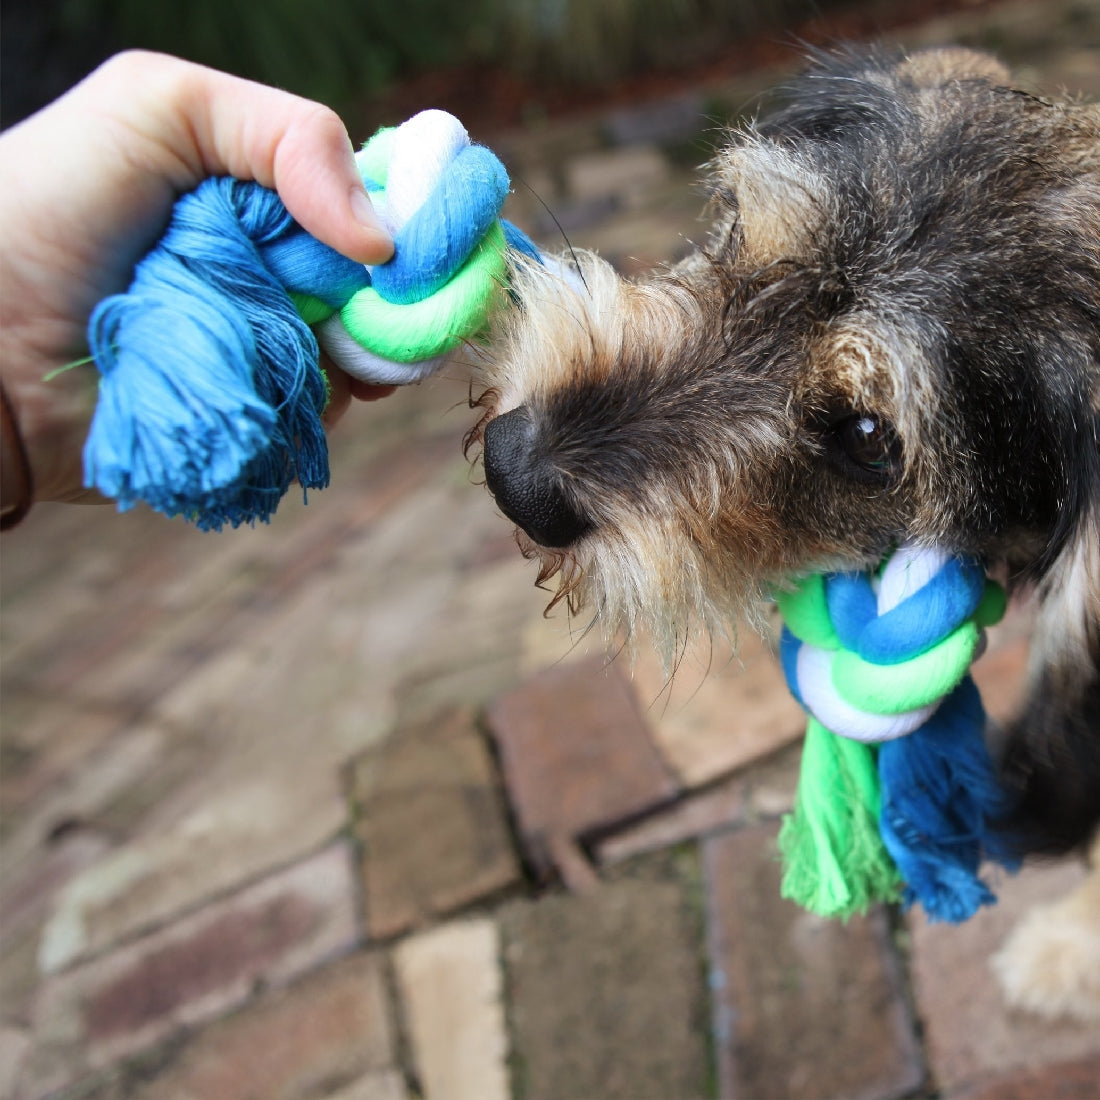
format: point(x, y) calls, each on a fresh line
point(211, 393)
point(897, 792)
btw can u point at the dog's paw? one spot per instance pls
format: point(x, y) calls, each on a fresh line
point(1050, 964)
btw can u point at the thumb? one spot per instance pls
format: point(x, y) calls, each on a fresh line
point(223, 124)
point(315, 174)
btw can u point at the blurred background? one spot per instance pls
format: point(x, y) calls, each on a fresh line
point(327, 809)
point(341, 50)
point(522, 55)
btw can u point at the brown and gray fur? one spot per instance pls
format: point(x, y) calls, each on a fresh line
point(891, 332)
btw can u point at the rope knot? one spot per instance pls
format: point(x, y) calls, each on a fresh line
point(872, 656)
point(440, 196)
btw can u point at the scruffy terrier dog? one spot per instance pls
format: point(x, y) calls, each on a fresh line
point(892, 332)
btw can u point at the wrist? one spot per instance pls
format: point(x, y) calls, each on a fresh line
point(45, 423)
point(16, 480)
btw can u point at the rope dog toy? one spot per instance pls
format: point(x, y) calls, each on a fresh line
point(211, 393)
point(897, 791)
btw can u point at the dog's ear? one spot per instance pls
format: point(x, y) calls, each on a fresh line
point(933, 68)
point(1051, 765)
point(782, 201)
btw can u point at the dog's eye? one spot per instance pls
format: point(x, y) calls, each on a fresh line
point(866, 446)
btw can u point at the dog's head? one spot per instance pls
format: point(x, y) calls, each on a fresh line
point(891, 333)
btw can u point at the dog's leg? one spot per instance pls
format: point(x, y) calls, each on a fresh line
point(1050, 964)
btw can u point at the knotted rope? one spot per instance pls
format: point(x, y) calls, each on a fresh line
point(211, 393)
point(440, 197)
point(897, 791)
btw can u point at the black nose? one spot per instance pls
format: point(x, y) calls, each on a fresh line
point(527, 488)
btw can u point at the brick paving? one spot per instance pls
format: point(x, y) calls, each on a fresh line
point(431, 822)
point(607, 992)
point(969, 1035)
point(328, 810)
point(451, 986)
point(788, 1020)
point(194, 968)
point(577, 758)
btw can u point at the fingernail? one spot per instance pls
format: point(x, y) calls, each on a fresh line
point(363, 212)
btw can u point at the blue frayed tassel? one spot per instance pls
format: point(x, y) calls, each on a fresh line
point(211, 397)
point(939, 797)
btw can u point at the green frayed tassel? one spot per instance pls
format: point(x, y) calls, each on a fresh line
point(835, 861)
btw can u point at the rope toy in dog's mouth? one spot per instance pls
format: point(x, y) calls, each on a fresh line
point(211, 393)
point(897, 793)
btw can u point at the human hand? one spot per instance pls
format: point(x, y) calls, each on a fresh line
point(89, 185)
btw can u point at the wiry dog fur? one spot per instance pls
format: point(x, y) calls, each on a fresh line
point(891, 332)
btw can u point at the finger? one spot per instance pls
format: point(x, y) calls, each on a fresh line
point(339, 394)
point(368, 391)
point(302, 150)
point(223, 125)
point(316, 176)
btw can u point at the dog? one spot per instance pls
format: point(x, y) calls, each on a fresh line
point(891, 332)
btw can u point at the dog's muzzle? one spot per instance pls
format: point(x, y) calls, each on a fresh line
point(527, 487)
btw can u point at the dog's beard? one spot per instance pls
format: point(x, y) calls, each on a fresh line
point(680, 545)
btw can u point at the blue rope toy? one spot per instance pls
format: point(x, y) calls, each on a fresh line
point(211, 393)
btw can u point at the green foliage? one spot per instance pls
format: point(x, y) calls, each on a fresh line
point(338, 50)
point(330, 50)
point(594, 41)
